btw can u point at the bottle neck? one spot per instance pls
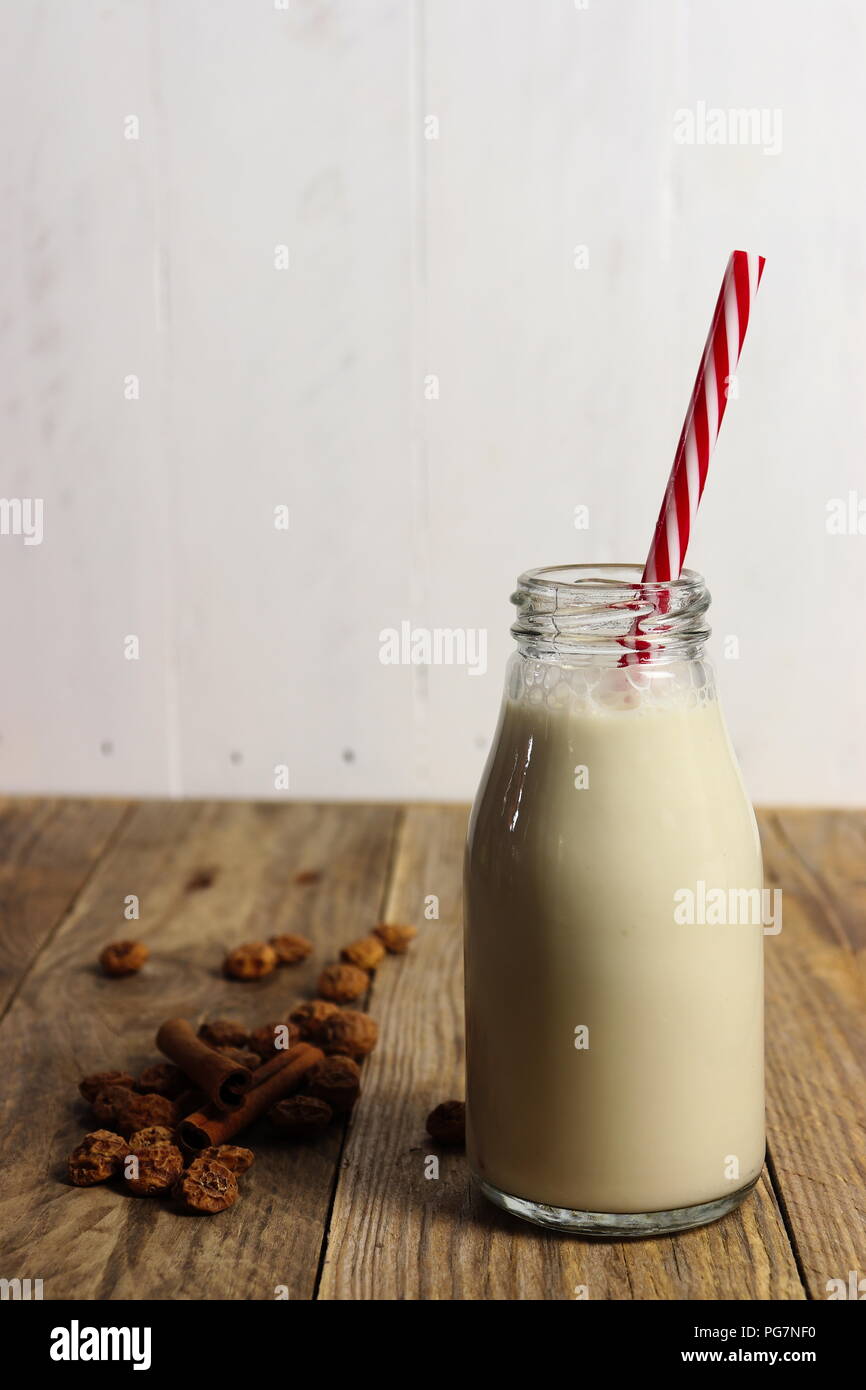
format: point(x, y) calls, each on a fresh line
point(603, 615)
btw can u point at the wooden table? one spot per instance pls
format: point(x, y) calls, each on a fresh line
point(353, 1215)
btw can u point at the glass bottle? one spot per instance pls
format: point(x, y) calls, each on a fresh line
point(614, 923)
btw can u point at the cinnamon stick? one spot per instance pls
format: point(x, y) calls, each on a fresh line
point(271, 1066)
point(284, 1074)
point(223, 1081)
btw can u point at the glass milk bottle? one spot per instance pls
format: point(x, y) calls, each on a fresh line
point(614, 1025)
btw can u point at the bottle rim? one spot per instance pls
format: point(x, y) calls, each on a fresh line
point(614, 574)
point(605, 611)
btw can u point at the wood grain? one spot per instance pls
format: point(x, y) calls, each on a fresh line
point(47, 851)
point(816, 1052)
point(68, 1020)
point(366, 1208)
point(398, 1234)
point(828, 859)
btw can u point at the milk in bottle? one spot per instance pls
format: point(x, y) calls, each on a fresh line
point(614, 1039)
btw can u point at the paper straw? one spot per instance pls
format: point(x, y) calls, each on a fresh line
point(704, 417)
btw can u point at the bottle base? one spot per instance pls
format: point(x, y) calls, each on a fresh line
point(613, 1225)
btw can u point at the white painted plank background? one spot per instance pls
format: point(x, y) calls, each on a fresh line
point(409, 257)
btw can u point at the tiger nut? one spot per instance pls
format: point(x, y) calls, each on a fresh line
point(223, 1032)
point(300, 1117)
point(447, 1123)
point(349, 1033)
point(237, 1160)
point(97, 1158)
point(250, 962)
point(366, 953)
point(163, 1079)
point(141, 1112)
point(207, 1187)
point(272, 1038)
point(98, 1081)
point(152, 1134)
point(395, 938)
point(343, 983)
point(109, 1101)
point(291, 949)
point(123, 957)
point(310, 1016)
point(336, 1080)
point(152, 1171)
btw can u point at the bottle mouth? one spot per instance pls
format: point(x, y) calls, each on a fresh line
point(603, 611)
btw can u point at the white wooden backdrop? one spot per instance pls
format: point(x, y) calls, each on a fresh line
point(306, 125)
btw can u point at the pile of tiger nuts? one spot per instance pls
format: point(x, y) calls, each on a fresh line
point(138, 1142)
point(151, 1164)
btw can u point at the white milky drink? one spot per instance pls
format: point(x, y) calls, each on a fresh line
point(614, 1050)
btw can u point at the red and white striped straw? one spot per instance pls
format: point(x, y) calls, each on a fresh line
point(703, 417)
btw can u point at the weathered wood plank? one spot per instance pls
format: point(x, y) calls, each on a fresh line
point(828, 848)
point(396, 1234)
point(68, 1020)
point(816, 1051)
point(47, 850)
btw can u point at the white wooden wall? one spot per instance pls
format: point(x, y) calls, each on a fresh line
point(409, 257)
